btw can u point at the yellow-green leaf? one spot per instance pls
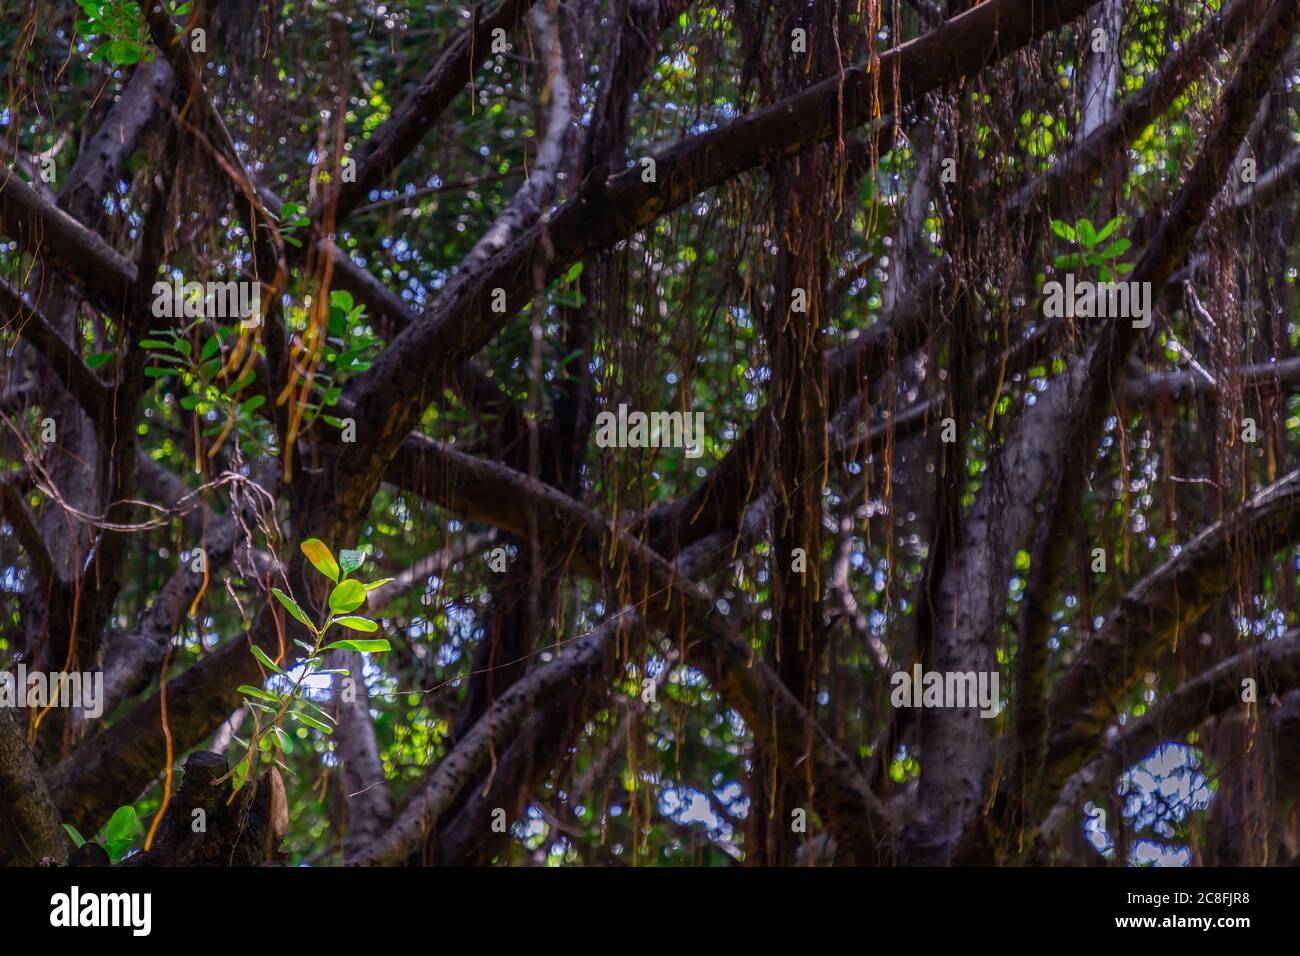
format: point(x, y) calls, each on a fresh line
point(374, 646)
point(358, 623)
point(319, 554)
point(313, 722)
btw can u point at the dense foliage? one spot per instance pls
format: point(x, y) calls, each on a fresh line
point(828, 228)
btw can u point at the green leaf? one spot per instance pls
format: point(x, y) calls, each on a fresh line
point(1116, 248)
point(98, 360)
point(154, 344)
point(77, 839)
point(1064, 230)
point(324, 714)
point(243, 383)
point(251, 691)
point(1107, 229)
point(241, 774)
point(374, 584)
point(209, 348)
point(341, 299)
point(357, 623)
point(337, 324)
point(266, 661)
point(319, 554)
point(155, 372)
point(190, 402)
point(376, 646)
point(350, 560)
point(1087, 233)
point(292, 607)
point(313, 722)
point(348, 596)
point(283, 739)
point(252, 405)
point(120, 824)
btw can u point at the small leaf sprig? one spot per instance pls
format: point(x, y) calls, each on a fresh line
point(1089, 247)
point(346, 597)
point(118, 834)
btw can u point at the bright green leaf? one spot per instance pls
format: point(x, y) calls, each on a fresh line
point(348, 596)
point(357, 623)
point(120, 823)
point(292, 606)
point(313, 722)
point(266, 661)
point(251, 691)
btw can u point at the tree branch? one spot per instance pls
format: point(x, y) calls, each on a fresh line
point(606, 210)
point(29, 823)
point(1275, 664)
point(1154, 613)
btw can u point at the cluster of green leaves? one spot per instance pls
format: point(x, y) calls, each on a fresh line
point(275, 705)
point(175, 356)
point(119, 833)
point(291, 220)
point(1088, 248)
point(349, 347)
point(119, 27)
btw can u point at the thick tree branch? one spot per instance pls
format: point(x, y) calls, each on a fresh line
point(402, 132)
point(33, 325)
point(1107, 362)
point(486, 491)
point(14, 510)
point(1154, 614)
point(29, 821)
point(1274, 664)
point(103, 275)
point(605, 210)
